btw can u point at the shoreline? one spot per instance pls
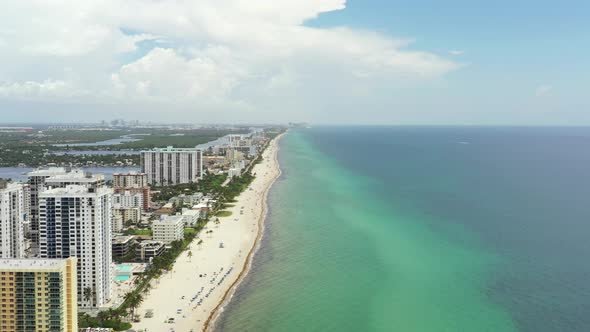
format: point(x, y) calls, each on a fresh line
point(192, 296)
point(218, 311)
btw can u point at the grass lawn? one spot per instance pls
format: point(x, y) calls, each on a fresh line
point(142, 232)
point(223, 214)
point(189, 230)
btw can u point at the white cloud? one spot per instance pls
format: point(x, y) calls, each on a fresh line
point(204, 52)
point(456, 52)
point(543, 90)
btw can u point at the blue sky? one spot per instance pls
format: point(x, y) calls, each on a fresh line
point(510, 49)
point(360, 61)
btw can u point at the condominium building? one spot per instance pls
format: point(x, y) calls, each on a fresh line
point(128, 199)
point(38, 295)
point(53, 177)
point(133, 182)
point(36, 186)
point(130, 180)
point(168, 229)
point(75, 221)
point(169, 166)
point(12, 215)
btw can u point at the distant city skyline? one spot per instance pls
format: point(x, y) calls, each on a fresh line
point(325, 62)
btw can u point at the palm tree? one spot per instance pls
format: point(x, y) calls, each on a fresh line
point(87, 294)
point(135, 303)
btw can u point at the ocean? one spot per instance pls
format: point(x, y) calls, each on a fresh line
point(419, 229)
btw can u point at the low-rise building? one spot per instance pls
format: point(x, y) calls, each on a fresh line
point(122, 245)
point(190, 217)
point(185, 200)
point(168, 229)
point(147, 250)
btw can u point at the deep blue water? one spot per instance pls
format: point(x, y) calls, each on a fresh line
point(524, 192)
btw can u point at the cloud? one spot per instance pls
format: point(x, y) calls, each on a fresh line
point(241, 54)
point(456, 52)
point(543, 90)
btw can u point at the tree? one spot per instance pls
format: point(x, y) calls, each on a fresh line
point(87, 294)
point(190, 254)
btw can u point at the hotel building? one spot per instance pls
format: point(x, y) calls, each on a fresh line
point(75, 221)
point(12, 214)
point(171, 166)
point(38, 295)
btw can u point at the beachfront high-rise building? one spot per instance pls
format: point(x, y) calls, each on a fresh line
point(53, 177)
point(169, 166)
point(12, 216)
point(75, 221)
point(38, 295)
point(36, 186)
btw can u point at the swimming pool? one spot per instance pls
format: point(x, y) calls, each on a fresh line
point(124, 268)
point(121, 278)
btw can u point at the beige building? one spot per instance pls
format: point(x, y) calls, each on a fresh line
point(50, 284)
point(168, 229)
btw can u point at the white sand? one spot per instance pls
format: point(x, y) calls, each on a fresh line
point(225, 265)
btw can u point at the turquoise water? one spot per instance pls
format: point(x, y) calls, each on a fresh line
point(336, 258)
point(424, 229)
point(121, 278)
point(124, 268)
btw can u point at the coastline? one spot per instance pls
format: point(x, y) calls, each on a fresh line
point(218, 311)
point(197, 289)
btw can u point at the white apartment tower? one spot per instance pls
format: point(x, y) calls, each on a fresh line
point(36, 186)
point(12, 214)
point(75, 221)
point(171, 166)
point(53, 177)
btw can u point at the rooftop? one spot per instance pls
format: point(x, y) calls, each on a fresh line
point(8, 186)
point(122, 239)
point(74, 190)
point(165, 219)
point(76, 175)
point(33, 264)
point(172, 149)
point(47, 171)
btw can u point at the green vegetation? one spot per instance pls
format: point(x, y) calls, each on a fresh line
point(223, 214)
point(168, 192)
point(38, 149)
point(190, 232)
point(103, 320)
point(138, 232)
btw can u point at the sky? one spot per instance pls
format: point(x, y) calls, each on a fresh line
point(418, 62)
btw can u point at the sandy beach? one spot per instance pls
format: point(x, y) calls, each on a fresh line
point(195, 291)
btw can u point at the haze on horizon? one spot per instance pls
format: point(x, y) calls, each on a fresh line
point(321, 61)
